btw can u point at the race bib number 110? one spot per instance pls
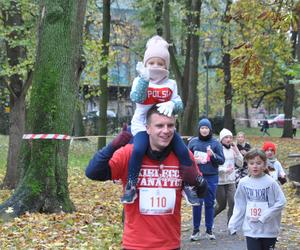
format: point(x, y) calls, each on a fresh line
point(157, 201)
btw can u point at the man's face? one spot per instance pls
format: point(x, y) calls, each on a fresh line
point(160, 129)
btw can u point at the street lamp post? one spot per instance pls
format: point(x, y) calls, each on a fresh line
point(207, 53)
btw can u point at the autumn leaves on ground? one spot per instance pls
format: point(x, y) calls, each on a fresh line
point(97, 223)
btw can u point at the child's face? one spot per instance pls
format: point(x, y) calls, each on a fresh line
point(240, 138)
point(256, 166)
point(156, 63)
point(270, 153)
point(227, 140)
point(204, 130)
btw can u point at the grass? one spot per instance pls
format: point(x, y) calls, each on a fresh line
point(274, 132)
point(3, 151)
point(79, 154)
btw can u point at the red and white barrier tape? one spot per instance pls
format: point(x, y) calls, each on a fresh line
point(67, 137)
point(263, 119)
point(61, 137)
point(46, 137)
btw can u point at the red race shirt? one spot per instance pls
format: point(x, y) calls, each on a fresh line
point(158, 95)
point(153, 221)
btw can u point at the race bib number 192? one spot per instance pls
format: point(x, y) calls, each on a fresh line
point(255, 209)
point(157, 201)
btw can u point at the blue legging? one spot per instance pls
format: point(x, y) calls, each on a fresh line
point(140, 146)
point(209, 200)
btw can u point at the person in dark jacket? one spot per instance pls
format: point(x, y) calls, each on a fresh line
point(243, 147)
point(209, 155)
point(265, 127)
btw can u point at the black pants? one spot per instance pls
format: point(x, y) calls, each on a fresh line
point(261, 243)
point(265, 131)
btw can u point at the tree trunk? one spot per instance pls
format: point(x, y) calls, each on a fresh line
point(187, 63)
point(44, 186)
point(78, 128)
point(3, 114)
point(15, 54)
point(290, 88)
point(228, 122)
point(188, 80)
point(191, 112)
point(16, 131)
point(288, 110)
point(167, 34)
point(225, 44)
point(296, 49)
point(158, 11)
point(104, 73)
point(248, 125)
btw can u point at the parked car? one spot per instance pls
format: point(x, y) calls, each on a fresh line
point(269, 119)
point(278, 121)
point(95, 114)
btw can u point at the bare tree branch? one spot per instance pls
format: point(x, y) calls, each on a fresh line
point(265, 93)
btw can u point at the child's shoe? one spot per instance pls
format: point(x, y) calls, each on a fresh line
point(130, 193)
point(209, 235)
point(190, 195)
point(195, 236)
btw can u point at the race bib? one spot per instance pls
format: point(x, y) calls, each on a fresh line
point(255, 209)
point(201, 157)
point(157, 201)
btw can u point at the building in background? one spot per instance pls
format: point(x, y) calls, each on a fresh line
point(124, 29)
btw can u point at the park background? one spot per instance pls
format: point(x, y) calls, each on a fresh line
point(66, 67)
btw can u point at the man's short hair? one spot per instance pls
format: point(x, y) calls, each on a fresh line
point(151, 111)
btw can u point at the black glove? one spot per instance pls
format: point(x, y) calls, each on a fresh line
point(122, 138)
point(282, 180)
point(201, 187)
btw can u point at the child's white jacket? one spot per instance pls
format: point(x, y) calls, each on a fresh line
point(145, 96)
point(232, 159)
point(258, 206)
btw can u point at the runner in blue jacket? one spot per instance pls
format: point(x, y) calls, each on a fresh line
point(208, 154)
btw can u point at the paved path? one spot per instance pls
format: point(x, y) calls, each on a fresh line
point(223, 241)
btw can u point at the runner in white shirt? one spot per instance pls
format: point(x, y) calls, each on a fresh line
point(259, 202)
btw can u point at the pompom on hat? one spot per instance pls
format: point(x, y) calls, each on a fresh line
point(204, 122)
point(157, 47)
point(225, 132)
point(269, 145)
